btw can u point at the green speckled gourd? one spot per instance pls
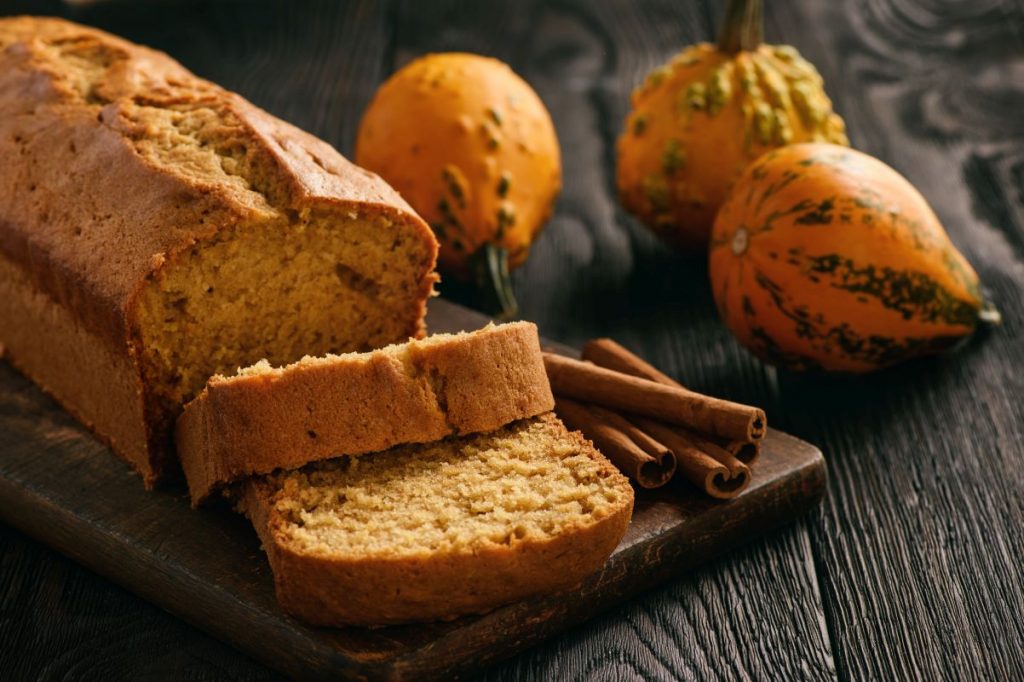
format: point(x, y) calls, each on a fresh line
point(697, 122)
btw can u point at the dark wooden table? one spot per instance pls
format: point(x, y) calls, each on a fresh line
point(913, 566)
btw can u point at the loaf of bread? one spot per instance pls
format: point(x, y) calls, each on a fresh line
point(266, 418)
point(436, 531)
point(156, 230)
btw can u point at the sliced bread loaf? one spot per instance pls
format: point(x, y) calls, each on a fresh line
point(156, 229)
point(436, 531)
point(266, 418)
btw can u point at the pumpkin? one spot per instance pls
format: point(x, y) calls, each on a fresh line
point(697, 122)
point(825, 258)
point(471, 147)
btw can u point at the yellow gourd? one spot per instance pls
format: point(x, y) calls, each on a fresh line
point(697, 121)
point(471, 147)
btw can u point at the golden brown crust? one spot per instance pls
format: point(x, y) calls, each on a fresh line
point(338, 591)
point(254, 424)
point(70, 363)
point(92, 205)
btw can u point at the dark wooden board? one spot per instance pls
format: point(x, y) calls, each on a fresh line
point(58, 484)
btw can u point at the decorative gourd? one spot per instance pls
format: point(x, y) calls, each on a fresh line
point(470, 146)
point(825, 258)
point(697, 122)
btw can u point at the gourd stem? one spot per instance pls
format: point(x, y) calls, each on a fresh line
point(490, 269)
point(989, 314)
point(743, 27)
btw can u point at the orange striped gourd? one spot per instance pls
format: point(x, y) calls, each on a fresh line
point(823, 257)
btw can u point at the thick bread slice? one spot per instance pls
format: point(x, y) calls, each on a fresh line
point(156, 229)
point(437, 531)
point(264, 418)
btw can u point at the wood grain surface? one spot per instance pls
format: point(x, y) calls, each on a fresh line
point(912, 568)
point(919, 550)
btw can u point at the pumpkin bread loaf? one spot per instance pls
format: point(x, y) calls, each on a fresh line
point(436, 531)
point(156, 229)
point(265, 418)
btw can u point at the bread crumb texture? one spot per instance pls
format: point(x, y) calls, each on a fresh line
point(403, 353)
point(530, 481)
point(279, 294)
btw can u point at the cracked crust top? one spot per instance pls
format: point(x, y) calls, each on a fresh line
point(190, 158)
point(267, 418)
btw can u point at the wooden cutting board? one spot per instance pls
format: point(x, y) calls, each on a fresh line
point(60, 485)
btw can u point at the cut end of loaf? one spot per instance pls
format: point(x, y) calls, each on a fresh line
point(433, 532)
point(528, 482)
point(278, 291)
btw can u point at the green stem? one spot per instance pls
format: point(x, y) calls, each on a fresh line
point(743, 27)
point(490, 270)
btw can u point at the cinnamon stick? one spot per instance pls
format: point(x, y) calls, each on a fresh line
point(610, 354)
point(648, 462)
point(702, 470)
point(718, 453)
point(609, 388)
point(743, 451)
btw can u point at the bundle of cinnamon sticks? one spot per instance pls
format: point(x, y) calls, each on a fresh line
point(650, 426)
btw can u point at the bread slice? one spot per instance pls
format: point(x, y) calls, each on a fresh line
point(437, 531)
point(266, 418)
point(156, 229)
